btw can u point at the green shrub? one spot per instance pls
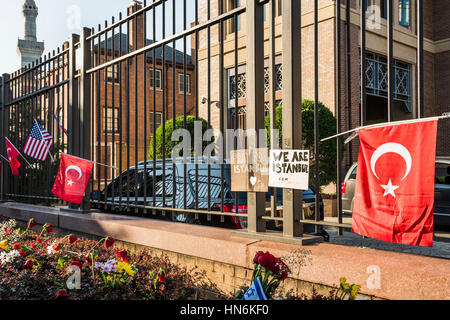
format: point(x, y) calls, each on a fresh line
point(327, 149)
point(179, 124)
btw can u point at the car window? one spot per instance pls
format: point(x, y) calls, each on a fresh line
point(442, 174)
point(353, 174)
point(164, 186)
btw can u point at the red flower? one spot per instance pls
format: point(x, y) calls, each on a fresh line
point(39, 240)
point(32, 223)
point(266, 260)
point(122, 255)
point(258, 254)
point(161, 276)
point(61, 295)
point(28, 265)
point(17, 246)
point(73, 239)
point(88, 260)
point(77, 263)
point(22, 253)
point(48, 228)
point(32, 246)
point(43, 255)
point(109, 242)
point(280, 269)
point(56, 246)
point(7, 231)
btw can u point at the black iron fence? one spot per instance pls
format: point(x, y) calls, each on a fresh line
point(114, 95)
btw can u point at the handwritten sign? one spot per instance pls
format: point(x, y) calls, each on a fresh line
point(289, 169)
point(250, 170)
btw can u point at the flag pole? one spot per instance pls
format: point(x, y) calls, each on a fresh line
point(97, 163)
point(25, 159)
point(388, 124)
point(4, 158)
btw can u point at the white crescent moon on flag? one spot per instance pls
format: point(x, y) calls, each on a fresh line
point(77, 169)
point(392, 148)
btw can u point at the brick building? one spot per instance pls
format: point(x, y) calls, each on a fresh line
point(436, 66)
point(126, 89)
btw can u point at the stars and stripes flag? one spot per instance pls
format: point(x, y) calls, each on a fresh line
point(39, 143)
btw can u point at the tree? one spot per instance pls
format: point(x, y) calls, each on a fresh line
point(179, 124)
point(327, 149)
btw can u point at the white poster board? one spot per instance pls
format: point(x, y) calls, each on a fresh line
point(289, 169)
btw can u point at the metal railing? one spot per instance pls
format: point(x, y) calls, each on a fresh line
point(114, 90)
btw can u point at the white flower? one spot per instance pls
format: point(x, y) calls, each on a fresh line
point(50, 249)
point(8, 257)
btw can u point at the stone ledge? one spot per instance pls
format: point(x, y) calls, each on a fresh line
point(403, 276)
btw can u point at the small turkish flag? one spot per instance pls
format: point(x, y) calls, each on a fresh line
point(394, 195)
point(72, 179)
point(13, 153)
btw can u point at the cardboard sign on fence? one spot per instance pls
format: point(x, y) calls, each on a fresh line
point(289, 169)
point(250, 170)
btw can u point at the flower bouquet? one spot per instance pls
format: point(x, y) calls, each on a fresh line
point(270, 270)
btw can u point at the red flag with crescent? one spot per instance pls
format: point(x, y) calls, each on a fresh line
point(72, 179)
point(13, 153)
point(394, 195)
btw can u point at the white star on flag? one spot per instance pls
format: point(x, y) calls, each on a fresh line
point(389, 189)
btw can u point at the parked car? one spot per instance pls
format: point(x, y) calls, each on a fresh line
point(129, 188)
point(441, 191)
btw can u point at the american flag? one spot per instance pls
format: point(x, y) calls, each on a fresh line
point(39, 143)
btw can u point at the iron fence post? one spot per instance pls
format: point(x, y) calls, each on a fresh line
point(255, 102)
point(73, 97)
point(4, 94)
point(292, 109)
point(84, 106)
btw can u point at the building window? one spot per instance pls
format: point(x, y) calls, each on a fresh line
point(181, 86)
point(241, 86)
point(112, 120)
point(155, 117)
point(155, 84)
point(381, 4)
point(234, 23)
point(112, 73)
point(280, 8)
point(404, 12)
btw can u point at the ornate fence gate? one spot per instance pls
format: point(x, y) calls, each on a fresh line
point(115, 94)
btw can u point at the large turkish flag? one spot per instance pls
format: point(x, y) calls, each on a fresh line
point(72, 179)
point(394, 195)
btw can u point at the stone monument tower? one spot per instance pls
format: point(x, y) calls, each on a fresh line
point(29, 49)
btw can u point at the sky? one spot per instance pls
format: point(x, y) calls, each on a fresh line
point(58, 19)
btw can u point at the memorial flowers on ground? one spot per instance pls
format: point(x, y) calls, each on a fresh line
point(37, 264)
